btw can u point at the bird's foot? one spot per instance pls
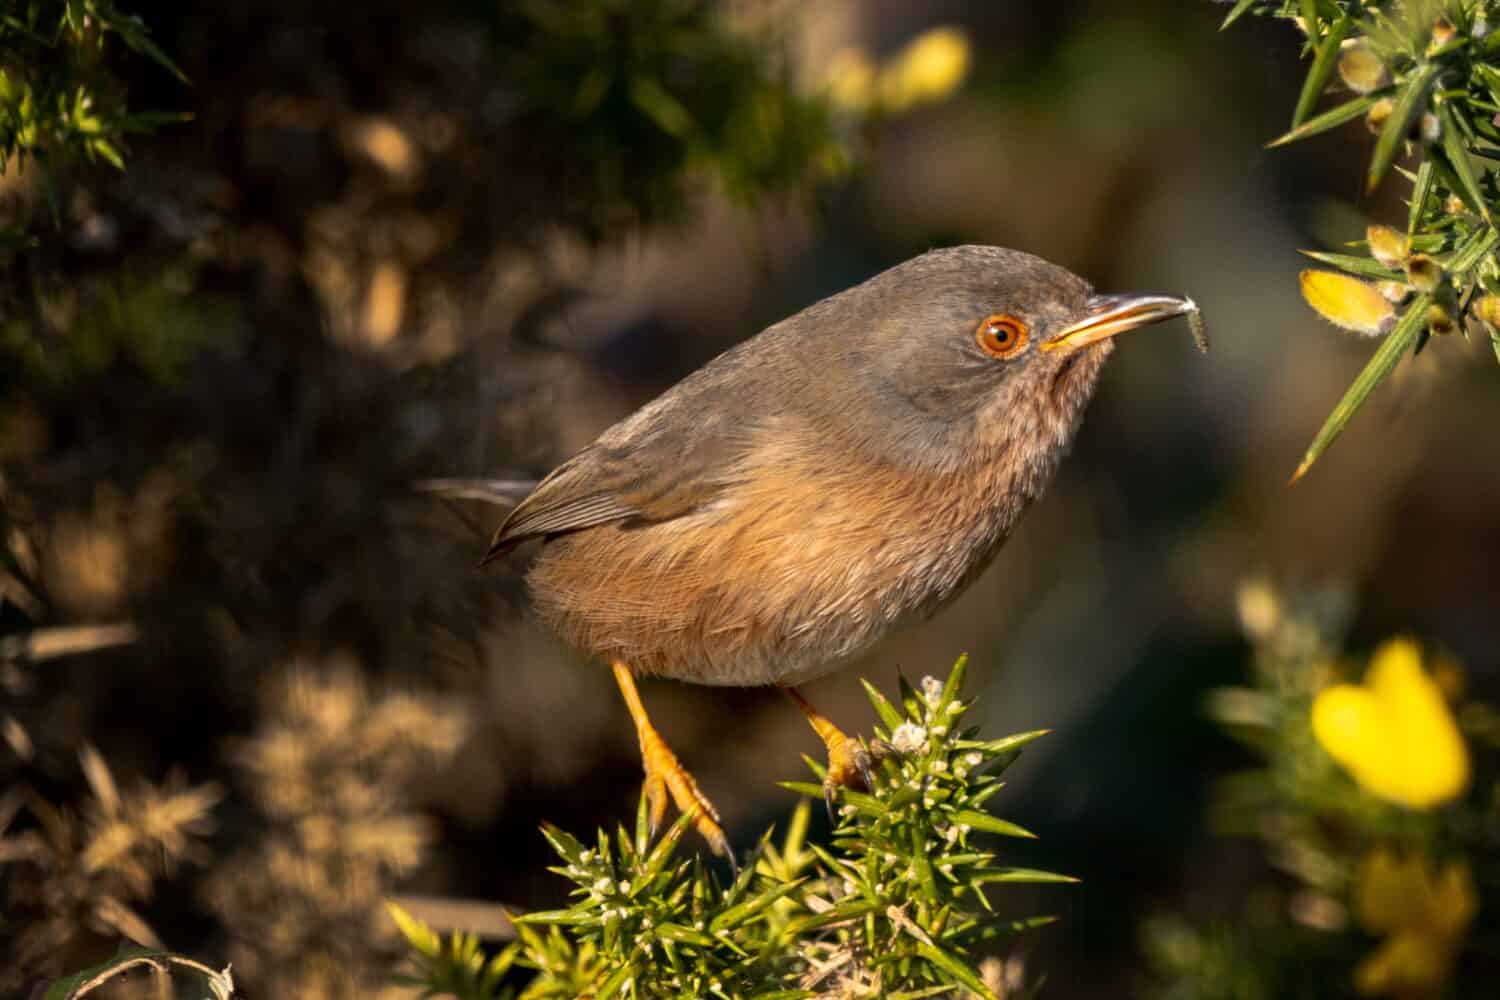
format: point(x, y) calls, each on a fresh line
point(849, 760)
point(849, 765)
point(665, 776)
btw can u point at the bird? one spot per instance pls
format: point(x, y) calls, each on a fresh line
point(846, 471)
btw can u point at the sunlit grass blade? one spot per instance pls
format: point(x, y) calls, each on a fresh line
point(1401, 337)
point(1322, 69)
point(991, 824)
point(1472, 252)
point(751, 907)
point(416, 932)
point(1006, 928)
point(1236, 12)
point(956, 968)
point(1456, 158)
point(1421, 190)
point(1310, 20)
point(883, 708)
point(1005, 744)
point(615, 982)
point(1412, 100)
point(1362, 266)
point(1332, 118)
point(955, 683)
point(1027, 875)
point(909, 700)
point(564, 843)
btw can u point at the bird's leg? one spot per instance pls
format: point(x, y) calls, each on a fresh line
point(665, 774)
point(847, 758)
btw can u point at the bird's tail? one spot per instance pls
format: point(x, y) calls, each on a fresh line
point(497, 492)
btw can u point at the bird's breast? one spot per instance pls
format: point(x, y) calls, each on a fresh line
point(797, 567)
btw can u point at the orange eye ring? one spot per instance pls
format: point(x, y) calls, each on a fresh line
point(1001, 336)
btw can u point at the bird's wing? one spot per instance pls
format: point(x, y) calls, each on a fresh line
point(670, 458)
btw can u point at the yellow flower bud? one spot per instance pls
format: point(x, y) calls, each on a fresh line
point(1376, 117)
point(1348, 303)
point(1359, 66)
point(1487, 308)
point(1389, 247)
point(1440, 321)
point(1423, 273)
point(1443, 32)
point(1259, 608)
point(1425, 913)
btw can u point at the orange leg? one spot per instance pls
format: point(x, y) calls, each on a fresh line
point(847, 759)
point(665, 774)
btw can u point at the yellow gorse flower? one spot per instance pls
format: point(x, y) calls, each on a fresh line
point(1394, 734)
point(1348, 303)
point(1424, 913)
point(851, 80)
point(927, 70)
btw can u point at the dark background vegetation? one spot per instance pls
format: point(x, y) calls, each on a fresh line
point(377, 254)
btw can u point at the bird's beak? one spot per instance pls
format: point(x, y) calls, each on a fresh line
point(1111, 315)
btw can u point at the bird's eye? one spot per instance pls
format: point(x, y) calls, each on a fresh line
point(1001, 336)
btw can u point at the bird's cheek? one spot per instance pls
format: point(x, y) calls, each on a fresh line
point(1076, 373)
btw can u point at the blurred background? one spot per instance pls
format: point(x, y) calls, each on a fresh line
point(405, 241)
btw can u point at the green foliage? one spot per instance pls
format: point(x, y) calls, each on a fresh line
point(176, 332)
point(56, 100)
point(455, 967)
point(895, 906)
point(146, 326)
point(1425, 77)
point(640, 96)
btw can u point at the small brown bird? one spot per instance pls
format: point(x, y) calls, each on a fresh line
point(849, 469)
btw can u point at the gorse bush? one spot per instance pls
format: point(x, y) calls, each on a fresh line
point(895, 906)
point(1373, 799)
point(75, 873)
point(370, 217)
point(57, 101)
point(331, 768)
point(1424, 75)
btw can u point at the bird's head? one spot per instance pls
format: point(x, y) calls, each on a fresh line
point(977, 346)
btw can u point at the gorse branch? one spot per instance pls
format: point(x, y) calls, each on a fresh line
point(1425, 77)
point(895, 906)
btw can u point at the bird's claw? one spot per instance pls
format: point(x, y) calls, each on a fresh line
point(665, 776)
point(849, 764)
point(656, 801)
